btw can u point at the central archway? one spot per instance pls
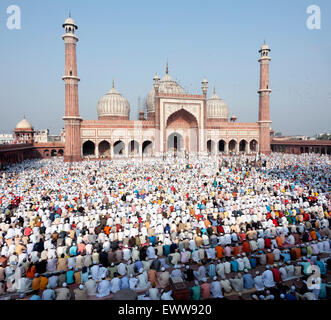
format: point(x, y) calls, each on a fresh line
point(184, 122)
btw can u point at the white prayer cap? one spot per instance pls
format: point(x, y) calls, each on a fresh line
point(81, 287)
point(163, 269)
point(64, 284)
point(215, 278)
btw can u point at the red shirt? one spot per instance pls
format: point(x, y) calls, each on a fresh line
point(276, 274)
point(267, 243)
point(246, 247)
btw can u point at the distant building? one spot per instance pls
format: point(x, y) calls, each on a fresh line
point(6, 138)
point(41, 136)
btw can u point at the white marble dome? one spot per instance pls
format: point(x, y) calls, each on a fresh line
point(217, 108)
point(24, 124)
point(113, 104)
point(264, 47)
point(70, 21)
point(167, 85)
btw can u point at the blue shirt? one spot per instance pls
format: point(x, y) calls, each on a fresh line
point(35, 297)
point(152, 239)
point(211, 270)
point(138, 265)
point(70, 277)
point(73, 251)
point(321, 265)
point(84, 276)
point(125, 284)
point(248, 281)
point(252, 262)
point(323, 294)
point(234, 265)
point(286, 256)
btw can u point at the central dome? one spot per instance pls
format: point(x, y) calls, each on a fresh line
point(113, 106)
point(167, 85)
point(217, 108)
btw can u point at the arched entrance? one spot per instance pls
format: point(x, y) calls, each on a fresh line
point(232, 145)
point(242, 145)
point(184, 122)
point(133, 148)
point(147, 148)
point(46, 153)
point(60, 153)
point(88, 148)
point(221, 146)
point(53, 153)
point(253, 146)
point(175, 142)
point(119, 148)
point(210, 147)
point(104, 149)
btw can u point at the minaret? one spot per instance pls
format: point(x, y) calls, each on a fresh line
point(203, 136)
point(72, 151)
point(264, 101)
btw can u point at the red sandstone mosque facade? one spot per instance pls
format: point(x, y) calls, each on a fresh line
point(176, 121)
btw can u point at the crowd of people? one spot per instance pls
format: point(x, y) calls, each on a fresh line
point(241, 227)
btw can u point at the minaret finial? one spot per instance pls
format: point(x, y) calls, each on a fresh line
point(113, 84)
point(69, 13)
point(214, 90)
point(167, 68)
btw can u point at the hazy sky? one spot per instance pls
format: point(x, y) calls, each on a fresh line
point(130, 40)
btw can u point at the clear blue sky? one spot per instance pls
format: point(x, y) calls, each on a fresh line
point(130, 40)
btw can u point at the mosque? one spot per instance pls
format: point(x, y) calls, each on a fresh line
point(174, 121)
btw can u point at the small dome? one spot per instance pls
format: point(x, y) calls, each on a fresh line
point(113, 104)
point(217, 108)
point(265, 47)
point(167, 85)
point(70, 21)
point(24, 124)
